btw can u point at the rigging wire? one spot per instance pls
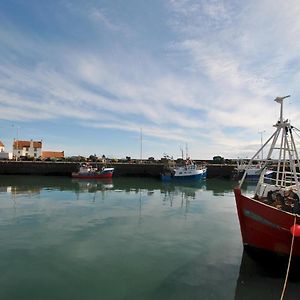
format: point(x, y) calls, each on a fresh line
point(297, 134)
point(289, 263)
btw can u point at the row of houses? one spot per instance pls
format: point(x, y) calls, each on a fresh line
point(29, 149)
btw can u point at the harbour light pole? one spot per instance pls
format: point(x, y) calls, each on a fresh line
point(261, 142)
point(17, 140)
point(141, 150)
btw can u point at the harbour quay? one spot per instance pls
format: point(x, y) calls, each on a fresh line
point(121, 169)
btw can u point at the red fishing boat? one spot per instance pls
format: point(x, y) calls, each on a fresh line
point(269, 218)
point(87, 171)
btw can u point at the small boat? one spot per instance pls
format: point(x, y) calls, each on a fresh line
point(86, 171)
point(269, 219)
point(187, 171)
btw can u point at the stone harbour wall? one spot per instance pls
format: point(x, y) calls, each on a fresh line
point(121, 169)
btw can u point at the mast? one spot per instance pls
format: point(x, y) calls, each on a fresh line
point(182, 153)
point(287, 150)
point(186, 151)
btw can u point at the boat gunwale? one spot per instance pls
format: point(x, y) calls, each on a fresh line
point(270, 206)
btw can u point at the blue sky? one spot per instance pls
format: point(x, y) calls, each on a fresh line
point(86, 76)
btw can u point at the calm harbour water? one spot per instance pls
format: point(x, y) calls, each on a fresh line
point(129, 238)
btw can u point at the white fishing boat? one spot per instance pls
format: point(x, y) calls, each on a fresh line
point(189, 170)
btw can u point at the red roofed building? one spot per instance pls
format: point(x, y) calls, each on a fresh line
point(53, 154)
point(27, 148)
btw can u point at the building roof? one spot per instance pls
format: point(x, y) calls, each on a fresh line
point(52, 154)
point(21, 144)
point(1, 144)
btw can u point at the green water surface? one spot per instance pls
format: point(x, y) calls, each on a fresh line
point(128, 238)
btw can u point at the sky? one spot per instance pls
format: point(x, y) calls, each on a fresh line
point(146, 78)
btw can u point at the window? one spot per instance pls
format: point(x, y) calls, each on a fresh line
point(35, 149)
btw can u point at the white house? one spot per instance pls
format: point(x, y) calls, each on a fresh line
point(3, 154)
point(27, 148)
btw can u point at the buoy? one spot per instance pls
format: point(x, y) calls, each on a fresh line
point(295, 230)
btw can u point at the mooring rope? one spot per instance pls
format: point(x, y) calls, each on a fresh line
point(290, 258)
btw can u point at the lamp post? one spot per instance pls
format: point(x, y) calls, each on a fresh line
point(261, 142)
point(141, 150)
point(17, 140)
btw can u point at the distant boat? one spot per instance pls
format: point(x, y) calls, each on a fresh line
point(86, 171)
point(252, 171)
point(270, 219)
point(188, 171)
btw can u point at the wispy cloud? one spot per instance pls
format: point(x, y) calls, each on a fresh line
point(99, 15)
point(211, 84)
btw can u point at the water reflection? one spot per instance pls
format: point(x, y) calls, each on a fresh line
point(178, 194)
point(182, 195)
point(210, 275)
point(91, 186)
point(187, 189)
point(34, 184)
point(261, 278)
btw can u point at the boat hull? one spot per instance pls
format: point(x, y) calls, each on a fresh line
point(265, 227)
point(199, 174)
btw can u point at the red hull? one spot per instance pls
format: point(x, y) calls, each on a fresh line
point(265, 227)
point(92, 176)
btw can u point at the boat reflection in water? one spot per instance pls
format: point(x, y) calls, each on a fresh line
point(260, 278)
point(33, 185)
point(92, 185)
